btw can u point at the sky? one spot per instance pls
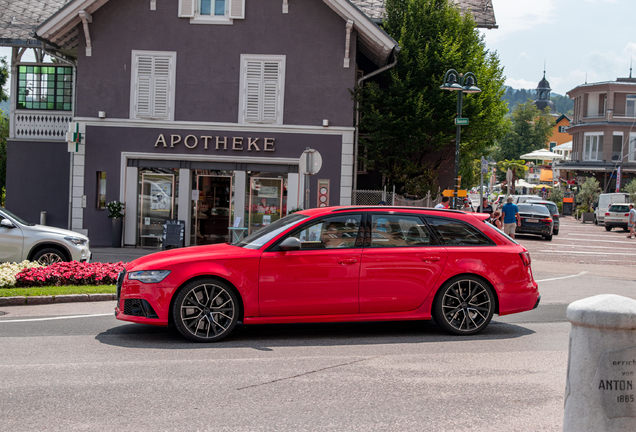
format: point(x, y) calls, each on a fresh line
point(579, 41)
point(575, 38)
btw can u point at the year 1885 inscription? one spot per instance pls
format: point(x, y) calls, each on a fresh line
point(614, 381)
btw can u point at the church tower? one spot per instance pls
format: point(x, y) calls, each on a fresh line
point(543, 95)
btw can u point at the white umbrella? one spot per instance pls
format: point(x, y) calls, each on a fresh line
point(542, 154)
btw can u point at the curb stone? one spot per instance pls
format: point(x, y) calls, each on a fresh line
point(12, 301)
point(35, 300)
point(67, 298)
point(71, 298)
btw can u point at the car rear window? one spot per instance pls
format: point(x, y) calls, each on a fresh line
point(551, 206)
point(452, 232)
point(619, 208)
point(533, 208)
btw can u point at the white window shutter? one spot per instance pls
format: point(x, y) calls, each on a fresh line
point(270, 91)
point(143, 94)
point(161, 106)
point(187, 8)
point(253, 86)
point(237, 9)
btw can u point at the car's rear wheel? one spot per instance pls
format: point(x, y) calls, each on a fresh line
point(608, 228)
point(206, 310)
point(49, 256)
point(595, 220)
point(464, 305)
point(548, 237)
point(556, 232)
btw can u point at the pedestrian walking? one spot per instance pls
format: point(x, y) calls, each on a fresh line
point(444, 203)
point(510, 215)
point(631, 221)
point(486, 207)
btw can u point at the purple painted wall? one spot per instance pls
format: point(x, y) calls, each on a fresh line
point(38, 180)
point(311, 35)
point(105, 144)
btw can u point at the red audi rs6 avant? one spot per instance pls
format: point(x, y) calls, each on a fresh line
point(336, 264)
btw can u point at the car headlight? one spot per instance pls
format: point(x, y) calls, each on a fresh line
point(76, 241)
point(149, 276)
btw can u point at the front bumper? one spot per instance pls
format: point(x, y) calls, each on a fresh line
point(80, 253)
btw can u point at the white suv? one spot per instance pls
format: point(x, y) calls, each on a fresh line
point(20, 240)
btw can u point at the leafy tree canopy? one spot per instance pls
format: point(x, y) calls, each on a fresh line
point(4, 77)
point(4, 128)
point(407, 126)
point(530, 130)
point(518, 168)
point(589, 192)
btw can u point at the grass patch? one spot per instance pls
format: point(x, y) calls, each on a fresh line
point(58, 290)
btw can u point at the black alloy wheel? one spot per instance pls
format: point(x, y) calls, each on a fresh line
point(49, 256)
point(464, 305)
point(206, 310)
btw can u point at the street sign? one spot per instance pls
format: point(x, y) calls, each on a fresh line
point(310, 162)
point(484, 166)
point(461, 121)
point(451, 193)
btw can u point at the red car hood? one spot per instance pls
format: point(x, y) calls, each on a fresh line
point(166, 259)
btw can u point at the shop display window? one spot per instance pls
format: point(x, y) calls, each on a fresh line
point(266, 202)
point(212, 199)
point(158, 203)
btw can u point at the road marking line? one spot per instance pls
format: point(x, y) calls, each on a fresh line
point(587, 253)
point(563, 277)
point(56, 318)
point(592, 235)
point(601, 241)
point(592, 247)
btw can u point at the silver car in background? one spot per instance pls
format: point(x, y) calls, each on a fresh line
point(21, 240)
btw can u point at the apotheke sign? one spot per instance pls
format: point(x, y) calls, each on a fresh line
point(216, 143)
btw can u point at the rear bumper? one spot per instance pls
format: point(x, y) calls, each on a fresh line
point(543, 230)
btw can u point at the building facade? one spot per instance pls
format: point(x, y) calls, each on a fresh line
point(603, 139)
point(191, 110)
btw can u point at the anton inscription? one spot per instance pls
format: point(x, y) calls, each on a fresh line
point(615, 384)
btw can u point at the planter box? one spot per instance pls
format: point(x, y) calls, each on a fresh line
point(587, 217)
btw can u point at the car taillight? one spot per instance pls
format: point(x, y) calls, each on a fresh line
point(626, 214)
point(525, 257)
point(607, 214)
point(546, 220)
point(555, 216)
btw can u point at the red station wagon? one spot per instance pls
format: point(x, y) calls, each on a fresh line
point(336, 264)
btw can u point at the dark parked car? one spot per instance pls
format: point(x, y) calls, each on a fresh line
point(554, 211)
point(535, 219)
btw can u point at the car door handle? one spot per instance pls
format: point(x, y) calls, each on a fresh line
point(344, 261)
point(431, 259)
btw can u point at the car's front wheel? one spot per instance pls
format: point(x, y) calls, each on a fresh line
point(206, 310)
point(464, 305)
point(49, 256)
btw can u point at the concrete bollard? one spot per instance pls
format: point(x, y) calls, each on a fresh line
point(600, 392)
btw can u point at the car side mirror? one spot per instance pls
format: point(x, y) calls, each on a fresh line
point(6, 223)
point(290, 244)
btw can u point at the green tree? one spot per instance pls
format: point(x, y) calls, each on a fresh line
point(407, 123)
point(556, 195)
point(588, 193)
point(630, 188)
point(530, 130)
point(518, 168)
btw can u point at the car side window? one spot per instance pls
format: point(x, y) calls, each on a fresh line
point(398, 231)
point(456, 233)
point(329, 233)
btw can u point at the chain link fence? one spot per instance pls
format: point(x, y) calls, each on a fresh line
point(373, 197)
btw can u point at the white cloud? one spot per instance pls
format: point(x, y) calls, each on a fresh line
point(520, 15)
point(524, 56)
point(520, 83)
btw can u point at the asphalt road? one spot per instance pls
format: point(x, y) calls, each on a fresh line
point(63, 372)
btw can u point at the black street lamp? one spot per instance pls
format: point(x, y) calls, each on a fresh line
point(467, 84)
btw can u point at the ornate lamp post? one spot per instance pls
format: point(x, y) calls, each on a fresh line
point(462, 83)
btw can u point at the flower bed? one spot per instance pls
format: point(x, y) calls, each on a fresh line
point(70, 273)
point(8, 271)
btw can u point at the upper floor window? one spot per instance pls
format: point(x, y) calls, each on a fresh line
point(593, 147)
point(262, 89)
point(630, 107)
point(45, 88)
point(562, 129)
point(152, 85)
point(212, 11)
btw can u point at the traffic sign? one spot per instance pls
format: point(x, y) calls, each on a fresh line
point(461, 121)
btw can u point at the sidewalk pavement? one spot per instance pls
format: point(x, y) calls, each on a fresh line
point(124, 254)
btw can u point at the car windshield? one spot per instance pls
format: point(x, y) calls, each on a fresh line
point(619, 208)
point(262, 236)
point(14, 217)
point(533, 208)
